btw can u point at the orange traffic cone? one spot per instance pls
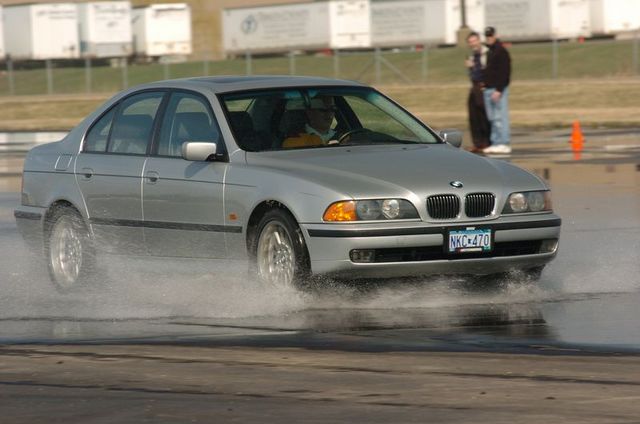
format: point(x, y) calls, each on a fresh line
point(577, 139)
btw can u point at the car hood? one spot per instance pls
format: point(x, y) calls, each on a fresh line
point(396, 170)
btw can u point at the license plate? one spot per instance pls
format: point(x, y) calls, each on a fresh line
point(469, 240)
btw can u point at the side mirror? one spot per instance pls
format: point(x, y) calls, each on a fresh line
point(451, 136)
point(198, 150)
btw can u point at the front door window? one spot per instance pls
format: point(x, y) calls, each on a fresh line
point(187, 119)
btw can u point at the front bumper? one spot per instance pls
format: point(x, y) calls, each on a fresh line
point(330, 246)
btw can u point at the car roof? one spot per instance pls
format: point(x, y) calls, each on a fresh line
point(231, 83)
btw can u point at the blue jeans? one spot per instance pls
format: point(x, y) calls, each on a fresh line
point(498, 115)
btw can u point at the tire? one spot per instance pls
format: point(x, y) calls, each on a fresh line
point(279, 252)
point(69, 250)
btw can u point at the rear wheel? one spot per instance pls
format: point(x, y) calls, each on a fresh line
point(68, 250)
point(280, 252)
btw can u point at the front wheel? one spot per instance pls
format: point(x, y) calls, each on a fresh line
point(68, 249)
point(281, 255)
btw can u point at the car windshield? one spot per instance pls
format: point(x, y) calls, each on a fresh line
point(305, 118)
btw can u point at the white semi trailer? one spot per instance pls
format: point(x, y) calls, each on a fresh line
point(162, 30)
point(349, 24)
point(614, 16)
point(539, 19)
point(1, 35)
point(400, 23)
point(2, 53)
point(105, 29)
point(41, 31)
point(338, 24)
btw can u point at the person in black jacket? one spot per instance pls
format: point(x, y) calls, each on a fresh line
point(496, 94)
point(478, 122)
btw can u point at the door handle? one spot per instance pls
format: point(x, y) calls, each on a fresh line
point(87, 173)
point(152, 176)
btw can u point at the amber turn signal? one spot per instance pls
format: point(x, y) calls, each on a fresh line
point(341, 211)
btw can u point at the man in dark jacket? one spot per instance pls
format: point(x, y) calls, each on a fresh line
point(478, 122)
point(496, 94)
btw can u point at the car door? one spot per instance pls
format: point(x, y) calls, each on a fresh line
point(109, 171)
point(183, 200)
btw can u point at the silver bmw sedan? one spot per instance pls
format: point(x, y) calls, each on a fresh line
point(296, 176)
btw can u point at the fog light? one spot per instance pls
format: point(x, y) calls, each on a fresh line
point(362, 256)
point(549, 246)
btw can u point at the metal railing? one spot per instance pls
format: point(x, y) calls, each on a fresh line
point(406, 65)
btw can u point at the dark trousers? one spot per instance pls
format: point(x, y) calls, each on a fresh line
point(478, 122)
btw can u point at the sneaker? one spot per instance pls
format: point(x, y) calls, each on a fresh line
point(498, 149)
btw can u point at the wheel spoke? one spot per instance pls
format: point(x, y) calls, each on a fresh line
point(275, 252)
point(65, 253)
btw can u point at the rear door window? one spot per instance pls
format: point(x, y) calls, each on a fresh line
point(133, 124)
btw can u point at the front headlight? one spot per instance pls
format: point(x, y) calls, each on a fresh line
point(370, 210)
point(528, 201)
point(391, 208)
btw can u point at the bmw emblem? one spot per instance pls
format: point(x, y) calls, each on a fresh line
point(456, 184)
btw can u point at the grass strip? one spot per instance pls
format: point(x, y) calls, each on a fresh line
point(542, 104)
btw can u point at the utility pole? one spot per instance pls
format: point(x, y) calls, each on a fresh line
point(463, 13)
point(463, 32)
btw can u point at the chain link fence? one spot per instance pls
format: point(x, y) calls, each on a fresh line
point(410, 65)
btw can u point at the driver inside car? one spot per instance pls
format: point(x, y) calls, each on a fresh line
point(317, 130)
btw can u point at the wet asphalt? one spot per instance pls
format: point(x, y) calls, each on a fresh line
point(585, 306)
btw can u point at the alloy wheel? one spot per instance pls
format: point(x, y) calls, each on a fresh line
point(65, 252)
point(275, 255)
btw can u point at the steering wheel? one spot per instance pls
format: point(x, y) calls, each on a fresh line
point(349, 133)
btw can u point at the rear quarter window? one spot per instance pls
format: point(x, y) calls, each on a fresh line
point(96, 139)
